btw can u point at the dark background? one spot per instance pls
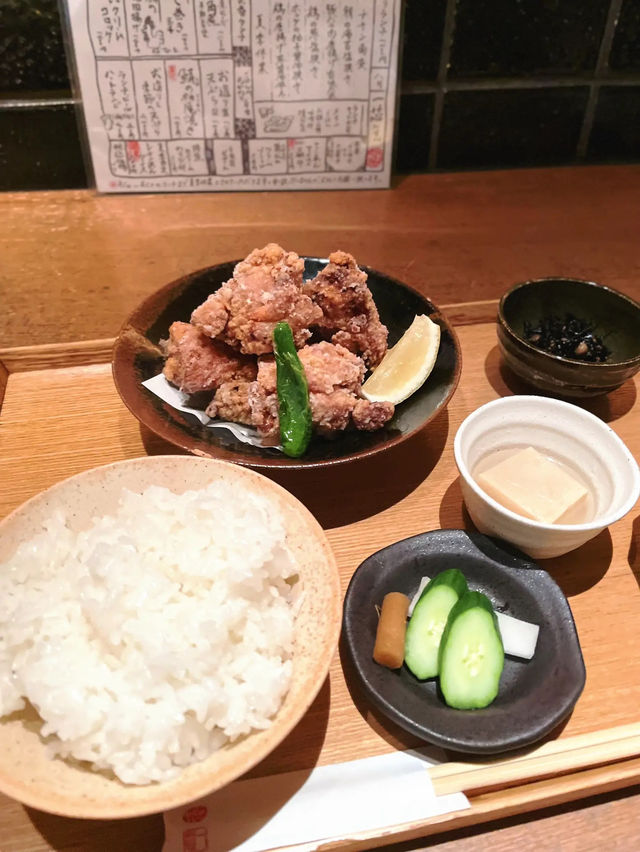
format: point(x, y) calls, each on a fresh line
point(485, 84)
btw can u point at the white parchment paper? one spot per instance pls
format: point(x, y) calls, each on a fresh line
point(177, 399)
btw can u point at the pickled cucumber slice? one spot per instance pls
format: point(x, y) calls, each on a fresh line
point(428, 621)
point(471, 656)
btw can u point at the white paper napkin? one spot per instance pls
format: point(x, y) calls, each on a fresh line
point(304, 808)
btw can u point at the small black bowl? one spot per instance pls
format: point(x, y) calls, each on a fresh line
point(535, 695)
point(614, 317)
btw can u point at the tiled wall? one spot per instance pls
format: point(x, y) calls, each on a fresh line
point(485, 84)
point(519, 82)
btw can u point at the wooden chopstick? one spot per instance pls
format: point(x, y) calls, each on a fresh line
point(552, 758)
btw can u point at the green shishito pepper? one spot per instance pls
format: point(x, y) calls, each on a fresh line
point(294, 410)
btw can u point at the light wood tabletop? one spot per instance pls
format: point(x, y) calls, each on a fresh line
point(74, 264)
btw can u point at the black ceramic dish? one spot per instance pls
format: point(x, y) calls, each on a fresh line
point(535, 695)
point(135, 358)
point(614, 316)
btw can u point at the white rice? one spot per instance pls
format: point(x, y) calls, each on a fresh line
point(156, 636)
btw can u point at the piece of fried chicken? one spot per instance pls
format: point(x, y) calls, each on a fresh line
point(349, 314)
point(231, 402)
point(196, 363)
point(266, 288)
point(334, 376)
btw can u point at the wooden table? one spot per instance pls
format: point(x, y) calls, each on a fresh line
point(73, 265)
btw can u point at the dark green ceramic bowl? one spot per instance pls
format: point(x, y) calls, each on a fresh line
point(614, 316)
point(136, 358)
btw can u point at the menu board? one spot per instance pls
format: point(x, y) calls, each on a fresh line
point(183, 95)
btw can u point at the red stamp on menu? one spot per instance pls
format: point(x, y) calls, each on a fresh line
point(195, 814)
point(374, 158)
point(172, 72)
point(133, 150)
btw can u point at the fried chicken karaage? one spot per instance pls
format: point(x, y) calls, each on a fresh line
point(349, 314)
point(196, 363)
point(266, 288)
point(231, 402)
point(227, 347)
point(334, 376)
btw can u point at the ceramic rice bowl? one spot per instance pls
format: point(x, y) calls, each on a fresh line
point(74, 789)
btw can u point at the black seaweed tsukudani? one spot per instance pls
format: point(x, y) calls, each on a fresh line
point(569, 337)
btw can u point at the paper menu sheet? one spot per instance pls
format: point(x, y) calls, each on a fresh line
point(183, 95)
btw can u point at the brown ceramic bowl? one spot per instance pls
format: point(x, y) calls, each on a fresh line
point(614, 317)
point(135, 358)
point(73, 789)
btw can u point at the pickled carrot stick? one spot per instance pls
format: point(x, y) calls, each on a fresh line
point(389, 647)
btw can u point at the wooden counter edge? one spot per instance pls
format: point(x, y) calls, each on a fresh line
point(49, 356)
point(22, 359)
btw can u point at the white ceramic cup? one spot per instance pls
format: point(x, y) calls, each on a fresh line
point(563, 431)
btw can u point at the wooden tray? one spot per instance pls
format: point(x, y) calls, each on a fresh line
point(61, 415)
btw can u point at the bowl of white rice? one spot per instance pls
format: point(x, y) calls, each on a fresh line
point(164, 624)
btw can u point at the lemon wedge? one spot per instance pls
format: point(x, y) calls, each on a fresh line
point(407, 365)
